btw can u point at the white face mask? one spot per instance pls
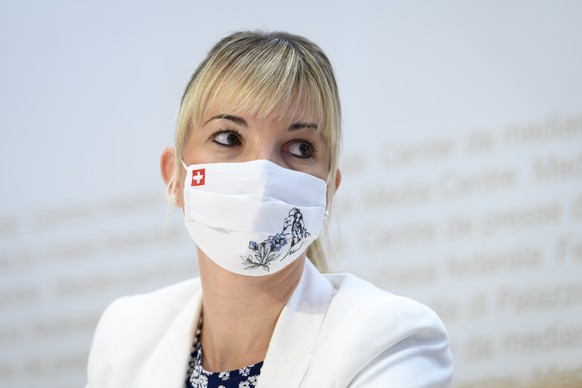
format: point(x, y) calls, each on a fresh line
point(252, 218)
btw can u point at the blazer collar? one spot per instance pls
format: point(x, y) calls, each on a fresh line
point(296, 332)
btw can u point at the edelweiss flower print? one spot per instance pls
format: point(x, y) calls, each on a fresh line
point(271, 249)
point(250, 218)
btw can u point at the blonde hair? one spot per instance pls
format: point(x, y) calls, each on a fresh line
point(264, 74)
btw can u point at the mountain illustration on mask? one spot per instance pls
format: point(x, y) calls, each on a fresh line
point(271, 249)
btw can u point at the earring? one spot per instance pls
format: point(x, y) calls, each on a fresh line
point(173, 198)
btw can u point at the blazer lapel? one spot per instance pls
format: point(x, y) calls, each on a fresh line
point(290, 349)
point(296, 332)
point(168, 364)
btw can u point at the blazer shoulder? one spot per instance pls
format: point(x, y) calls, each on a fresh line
point(129, 312)
point(363, 301)
point(131, 327)
point(165, 302)
point(386, 337)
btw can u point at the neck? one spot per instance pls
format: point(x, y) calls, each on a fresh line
point(240, 313)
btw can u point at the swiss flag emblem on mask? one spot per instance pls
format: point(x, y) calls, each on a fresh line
point(198, 177)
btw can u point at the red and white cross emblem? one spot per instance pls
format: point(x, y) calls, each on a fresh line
point(198, 177)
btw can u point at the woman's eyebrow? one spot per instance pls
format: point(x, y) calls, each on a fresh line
point(234, 119)
point(302, 125)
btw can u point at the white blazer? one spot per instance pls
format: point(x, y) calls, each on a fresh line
point(336, 331)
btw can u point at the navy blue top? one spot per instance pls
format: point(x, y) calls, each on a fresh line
point(239, 378)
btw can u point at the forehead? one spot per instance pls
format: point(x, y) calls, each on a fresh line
point(287, 109)
point(285, 116)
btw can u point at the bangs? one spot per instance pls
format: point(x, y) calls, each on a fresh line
point(263, 80)
point(272, 98)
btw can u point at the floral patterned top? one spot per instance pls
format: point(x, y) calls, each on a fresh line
point(239, 378)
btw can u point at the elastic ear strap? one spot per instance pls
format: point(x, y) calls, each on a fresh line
point(325, 218)
point(184, 164)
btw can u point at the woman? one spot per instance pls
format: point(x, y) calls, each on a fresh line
point(254, 169)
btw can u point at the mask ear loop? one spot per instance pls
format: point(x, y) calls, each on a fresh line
point(326, 214)
point(173, 196)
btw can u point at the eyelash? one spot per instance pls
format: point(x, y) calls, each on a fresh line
point(308, 142)
point(221, 131)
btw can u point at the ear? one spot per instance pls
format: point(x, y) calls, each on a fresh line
point(167, 168)
point(167, 165)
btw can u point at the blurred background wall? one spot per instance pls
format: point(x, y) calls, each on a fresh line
point(462, 168)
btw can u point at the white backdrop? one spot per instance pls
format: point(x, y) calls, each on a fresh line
point(462, 168)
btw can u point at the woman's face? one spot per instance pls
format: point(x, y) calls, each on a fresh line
point(287, 140)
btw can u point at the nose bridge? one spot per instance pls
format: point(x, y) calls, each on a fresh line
point(265, 148)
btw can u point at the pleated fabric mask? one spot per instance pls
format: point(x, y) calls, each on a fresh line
point(252, 218)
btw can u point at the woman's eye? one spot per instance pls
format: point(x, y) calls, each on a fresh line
point(302, 149)
point(226, 138)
